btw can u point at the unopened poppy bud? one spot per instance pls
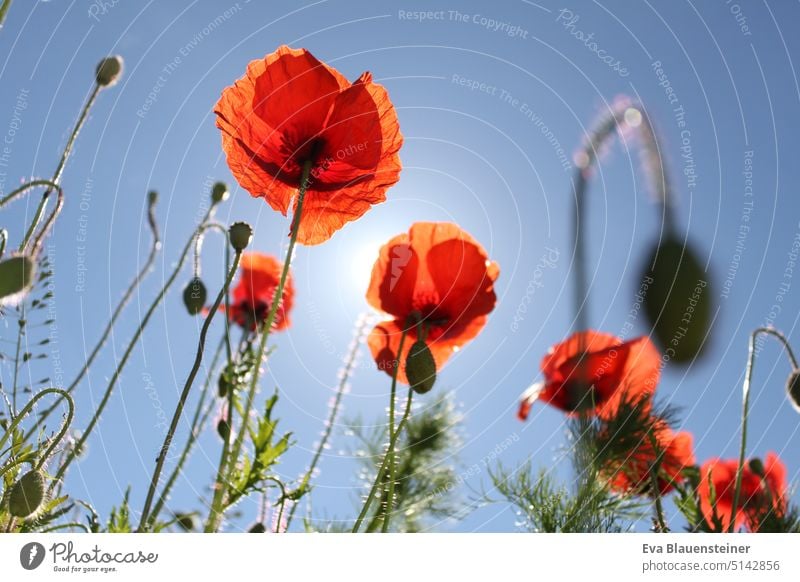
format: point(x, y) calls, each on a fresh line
point(16, 277)
point(186, 521)
point(420, 368)
point(108, 71)
point(223, 429)
point(258, 528)
point(219, 193)
point(756, 466)
point(194, 296)
point(793, 389)
point(677, 299)
point(240, 233)
point(27, 494)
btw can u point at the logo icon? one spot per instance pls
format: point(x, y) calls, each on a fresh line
point(31, 555)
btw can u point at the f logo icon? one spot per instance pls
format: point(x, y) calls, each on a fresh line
point(31, 555)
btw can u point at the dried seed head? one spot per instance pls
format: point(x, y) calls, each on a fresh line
point(27, 494)
point(108, 71)
point(240, 233)
point(420, 368)
point(194, 296)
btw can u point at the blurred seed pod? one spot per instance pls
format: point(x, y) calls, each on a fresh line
point(187, 521)
point(27, 494)
point(793, 389)
point(17, 274)
point(756, 466)
point(420, 368)
point(194, 296)
point(258, 528)
point(108, 71)
point(223, 429)
point(677, 300)
point(219, 193)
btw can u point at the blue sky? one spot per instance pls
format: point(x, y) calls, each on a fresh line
point(473, 86)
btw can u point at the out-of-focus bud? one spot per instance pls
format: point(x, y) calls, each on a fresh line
point(677, 300)
point(186, 521)
point(219, 193)
point(420, 368)
point(756, 466)
point(27, 494)
point(108, 71)
point(16, 278)
point(223, 429)
point(241, 233)
point(793, 389)
point(258, 528)
point(152, 197)
point(194, 296)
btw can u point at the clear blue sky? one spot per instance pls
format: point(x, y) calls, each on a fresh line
point(473, 156)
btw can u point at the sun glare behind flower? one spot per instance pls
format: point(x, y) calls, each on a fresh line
point(363, 258)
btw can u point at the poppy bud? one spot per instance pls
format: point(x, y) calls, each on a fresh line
point(194, 296)
point(677, 300)
point(793, 389)
point(258, 528)
point(16, 276)
point(756, 466)
point(223, 385)
point(223, 429)
point(108, 71)
point(219, 193)
point(420, 367)
point(240, 233)
point(186, 521)
point(27, 494)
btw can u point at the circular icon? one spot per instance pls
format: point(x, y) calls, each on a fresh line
point(31, 555)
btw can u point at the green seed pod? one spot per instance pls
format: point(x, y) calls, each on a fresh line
point(219, 193)
point(756, 466)
point(27, 494)
point(258, 528)
point(240, 233)
point(223, 429)
point(223, 385)
point(420, 368)
point(16, 276)
point(194, 296)
point(793, 389)
point(186, 521)
point(108, 71)
point(677, 300)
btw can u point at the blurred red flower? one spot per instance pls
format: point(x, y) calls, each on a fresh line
point(633, 472)
point(593, 372)
point(436, 273)
point(259, 275)
point(289, 109)
point(763, 490)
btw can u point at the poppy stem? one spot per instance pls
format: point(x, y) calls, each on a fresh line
point(346, 373)
point(221, 486)
point(654, 470)
point(162, 455)
point(748, 380)
point(382, 471)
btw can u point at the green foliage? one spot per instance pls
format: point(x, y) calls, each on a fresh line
point(119, 521)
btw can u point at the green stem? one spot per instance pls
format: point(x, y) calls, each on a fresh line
point(162, 455)
point(382, 471)
point(4, 11)
point(140, 276)
point(198, 420)
point(220, 489)
point(654, 471)
point(129, 350)
point(345, 377)
point(748, 380)
point(392, 461)
point(282, 501)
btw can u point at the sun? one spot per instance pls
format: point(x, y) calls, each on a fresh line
point(362, 262)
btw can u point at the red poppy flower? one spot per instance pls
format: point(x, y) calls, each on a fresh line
point(593, 372)
point(289, 109)
point(763, 490)
point(633, 473)
point(437, 274)
point(259, 275)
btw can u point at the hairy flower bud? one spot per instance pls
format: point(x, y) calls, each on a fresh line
point(27, 494)
point(194, 296)
point(108, 71)
point(240, 233)
point(420, 368)
point(793, 389)
point(16, 278)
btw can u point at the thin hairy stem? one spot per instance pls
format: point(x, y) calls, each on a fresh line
point(387, 511)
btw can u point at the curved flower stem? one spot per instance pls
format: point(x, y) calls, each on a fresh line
point(140, 276)
point(622, 114)
point(28, 407)
point(162, 455)
point(221, 487)
point(382, 471)
point(129, 350)
point(387, 511)
point(748, 379)
point(4, 6)
point(346, 373)
point(282, 501)
point(3, 241)
point(198, 420)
